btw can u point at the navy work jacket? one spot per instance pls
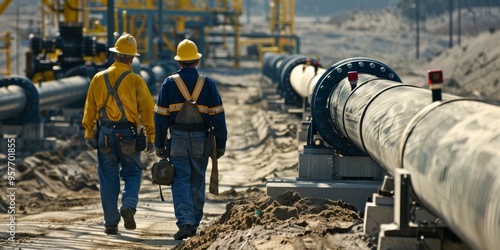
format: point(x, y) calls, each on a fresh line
point(170, 97)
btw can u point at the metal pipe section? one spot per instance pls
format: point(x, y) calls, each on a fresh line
point(12, 101)
point(304, 78)
point(21, 101)
point(449, 147)
point(292, 75)
point(61, 92)
point(162, 69)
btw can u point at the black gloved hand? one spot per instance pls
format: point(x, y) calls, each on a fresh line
point(220, 152)
point(161, 153)
point(150, 147)
point(90, 143)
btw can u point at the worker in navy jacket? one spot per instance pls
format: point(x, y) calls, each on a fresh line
point(187, 141)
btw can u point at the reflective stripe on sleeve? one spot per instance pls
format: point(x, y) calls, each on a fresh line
point(175, 107)
point(161, 110)
point(216, 110)
point(203, 109)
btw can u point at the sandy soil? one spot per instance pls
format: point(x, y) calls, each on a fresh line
point(288, 222)
point(57, 195)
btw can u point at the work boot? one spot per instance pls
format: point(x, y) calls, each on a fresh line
point(111, 229)
point(128, 218)
point(184, 232)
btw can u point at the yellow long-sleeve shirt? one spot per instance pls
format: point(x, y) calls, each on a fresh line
point(134, 94)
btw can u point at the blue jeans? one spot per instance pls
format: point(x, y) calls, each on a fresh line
point(114, 166)
point(188, 188)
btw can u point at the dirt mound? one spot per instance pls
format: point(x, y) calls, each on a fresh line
point(287, 222)
point(471, 69)
point(57, 180)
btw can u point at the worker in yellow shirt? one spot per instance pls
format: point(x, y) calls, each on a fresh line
point(118, 103)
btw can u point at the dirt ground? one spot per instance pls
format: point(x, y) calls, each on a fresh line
point(287, 222)
point(57, 194)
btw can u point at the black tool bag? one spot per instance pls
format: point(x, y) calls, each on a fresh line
point(162, 173)
point(189, 114)
point(140, 142)
point(189, 117)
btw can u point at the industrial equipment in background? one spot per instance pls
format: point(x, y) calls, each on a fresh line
point(5, 43)
point(72, 45)
point(76, 32)
point(427, 162)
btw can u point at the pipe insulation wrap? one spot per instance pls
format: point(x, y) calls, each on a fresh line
point(312, 83)
point(301, 77)
point(450, 149)
point(452, 154)
point(342, 93)
point(296, 76)
point(375, 115)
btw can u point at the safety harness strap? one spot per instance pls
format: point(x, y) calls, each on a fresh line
point(199, 86)
point(113, 91)
point(184, 90)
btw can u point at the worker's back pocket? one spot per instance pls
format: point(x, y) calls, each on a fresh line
point(104, 144)
point(128, 147)
point(207, 148)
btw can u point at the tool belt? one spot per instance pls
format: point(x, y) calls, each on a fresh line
point(189, 127)
point(117, 125)
point(127, 146)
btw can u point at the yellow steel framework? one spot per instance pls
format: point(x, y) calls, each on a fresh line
point(140, 17)
point(5, 48)
point(282, 21)
point(194, 18)
point(4, 5)
point(5, 41)
point(55, 11)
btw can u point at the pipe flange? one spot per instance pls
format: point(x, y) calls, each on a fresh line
point(276, 64)
point(291, 96)
point(278, 74)
point(270, 62)
point(31, 113)
point(321, 119)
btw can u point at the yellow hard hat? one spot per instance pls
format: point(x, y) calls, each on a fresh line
point(187, 51)
point(126, 45)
